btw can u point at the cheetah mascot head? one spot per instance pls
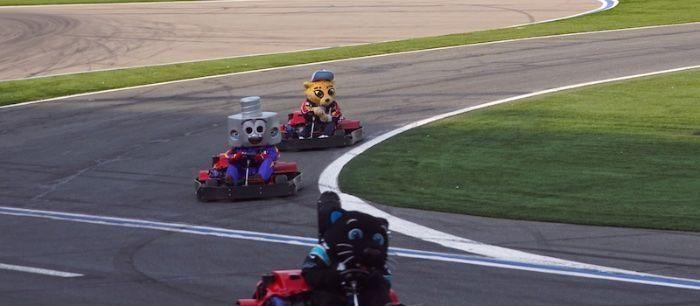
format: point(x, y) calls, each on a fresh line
point(320, 91)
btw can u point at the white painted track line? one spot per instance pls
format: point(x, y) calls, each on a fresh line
point(617, 275)
point(38, 270)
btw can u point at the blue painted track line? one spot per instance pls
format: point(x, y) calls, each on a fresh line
point(616, 275)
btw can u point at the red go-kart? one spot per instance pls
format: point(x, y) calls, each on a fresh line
point(210, 184)
point(288, 285)
point(347, 133)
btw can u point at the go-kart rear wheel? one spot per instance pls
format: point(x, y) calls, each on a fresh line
point(281, 179)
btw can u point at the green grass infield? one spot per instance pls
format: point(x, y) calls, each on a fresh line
point(621, 154)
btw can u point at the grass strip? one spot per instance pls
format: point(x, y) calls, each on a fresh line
point(620, 154)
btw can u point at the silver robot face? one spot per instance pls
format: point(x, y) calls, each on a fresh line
point(252, 127)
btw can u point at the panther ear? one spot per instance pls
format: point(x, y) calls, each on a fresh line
point(336, 215)
point(307, 84)
point(328, 210)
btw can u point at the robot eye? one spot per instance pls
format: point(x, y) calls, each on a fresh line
point(331, 92)
point(378, 239)
point(248, 127)
point(260, 126)
point(318, 93)
point(355, 234)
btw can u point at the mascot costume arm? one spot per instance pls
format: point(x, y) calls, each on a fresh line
point(336, 114)
point(318, 271)
point(270, 153)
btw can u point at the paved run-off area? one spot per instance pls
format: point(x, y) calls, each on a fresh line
point(46, 40)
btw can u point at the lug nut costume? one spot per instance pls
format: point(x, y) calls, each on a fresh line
point(253, 135)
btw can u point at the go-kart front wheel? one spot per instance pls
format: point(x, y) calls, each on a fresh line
point(201, 196)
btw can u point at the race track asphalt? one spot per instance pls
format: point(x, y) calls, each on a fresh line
point(46, 40)
point(133, 153)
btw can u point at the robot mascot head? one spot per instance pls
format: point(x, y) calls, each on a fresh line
point(252, 127)
point(320, 89)
point(353, 238)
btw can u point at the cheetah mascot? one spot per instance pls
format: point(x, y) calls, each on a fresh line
point(320, 109)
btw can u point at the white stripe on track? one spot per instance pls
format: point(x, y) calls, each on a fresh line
point(622, 276)
point(37, 270)
point(604, 6)
point(328, 181)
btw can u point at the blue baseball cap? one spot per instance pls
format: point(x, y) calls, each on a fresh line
point(322, 75)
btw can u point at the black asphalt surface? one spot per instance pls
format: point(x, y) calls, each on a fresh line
point(134, 153)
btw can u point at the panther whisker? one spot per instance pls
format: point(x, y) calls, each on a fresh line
point(348, 259)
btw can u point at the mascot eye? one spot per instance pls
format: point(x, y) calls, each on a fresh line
point(331, 92)
point(234, 133)
point(274, 132)
point(318, 93)
point(248, 127)
point(378, 239)
point(260, 126)
point(355, 234)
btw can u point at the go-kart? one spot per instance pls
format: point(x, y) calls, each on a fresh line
point(347, 133)
point(288, 288)
point(210, 185)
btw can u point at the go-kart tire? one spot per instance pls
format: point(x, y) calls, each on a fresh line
point(281, 179)
point(200, 197)
point(211, 183)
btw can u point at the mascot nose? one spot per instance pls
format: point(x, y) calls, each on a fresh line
point(328, 100)
point(373, 257)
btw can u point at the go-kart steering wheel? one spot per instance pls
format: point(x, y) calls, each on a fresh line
point(353, 277)
point(354, 273)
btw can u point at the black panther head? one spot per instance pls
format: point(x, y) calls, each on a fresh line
point(354, 239)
